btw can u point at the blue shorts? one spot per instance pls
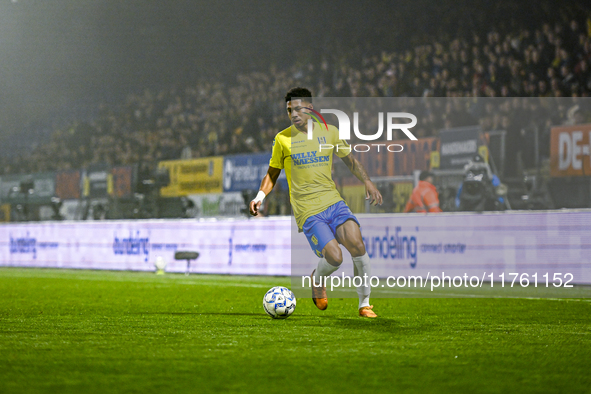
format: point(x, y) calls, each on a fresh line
point(321, 228)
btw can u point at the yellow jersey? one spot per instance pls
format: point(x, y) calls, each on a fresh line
point(308, 166)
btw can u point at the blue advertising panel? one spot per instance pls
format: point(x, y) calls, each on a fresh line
point(245, 172)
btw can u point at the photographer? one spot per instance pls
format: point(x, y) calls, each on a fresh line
point(481, 190)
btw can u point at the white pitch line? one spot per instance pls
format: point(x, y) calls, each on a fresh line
point(157, 280)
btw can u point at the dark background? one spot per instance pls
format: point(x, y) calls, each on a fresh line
point(59, 58)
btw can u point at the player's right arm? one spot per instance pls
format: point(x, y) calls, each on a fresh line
point(266, 186)
point(275, 167)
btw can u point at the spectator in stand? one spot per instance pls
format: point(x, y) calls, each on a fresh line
point(219, 117)
point(424, 197)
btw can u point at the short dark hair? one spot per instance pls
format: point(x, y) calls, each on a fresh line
point(424, 175)
point(297, 93)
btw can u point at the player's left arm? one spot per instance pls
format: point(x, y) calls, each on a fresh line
point(371, 191)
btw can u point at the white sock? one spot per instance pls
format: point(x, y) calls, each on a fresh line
point(362, 267)
point(323, 269)
point(363, 301)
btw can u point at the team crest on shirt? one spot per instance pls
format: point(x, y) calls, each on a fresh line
point(322, 140)
point(314, 239)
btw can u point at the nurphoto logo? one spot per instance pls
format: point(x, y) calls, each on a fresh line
point(344, 126)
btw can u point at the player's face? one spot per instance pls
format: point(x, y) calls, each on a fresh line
point(298, 113)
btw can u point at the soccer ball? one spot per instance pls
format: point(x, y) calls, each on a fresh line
point(279, 302)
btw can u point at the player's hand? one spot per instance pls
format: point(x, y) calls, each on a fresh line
point(254, 207)
point(372, 193)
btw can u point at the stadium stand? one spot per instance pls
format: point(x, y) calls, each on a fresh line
point(220, 117)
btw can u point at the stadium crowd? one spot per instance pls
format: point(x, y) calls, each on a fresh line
point(215, 117)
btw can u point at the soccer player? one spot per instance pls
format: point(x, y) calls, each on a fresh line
point(319, 209)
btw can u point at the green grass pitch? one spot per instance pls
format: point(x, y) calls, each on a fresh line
point(64, 331)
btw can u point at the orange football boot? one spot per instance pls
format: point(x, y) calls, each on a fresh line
point(319, 295)
point(366, 311)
